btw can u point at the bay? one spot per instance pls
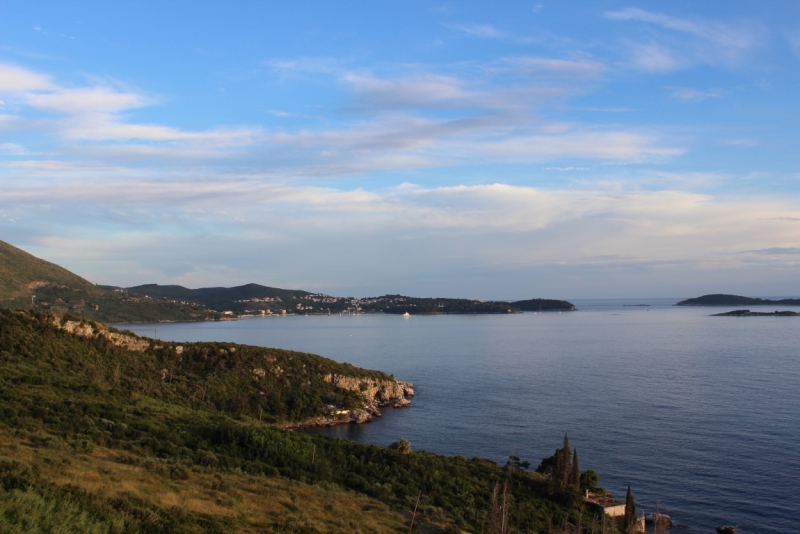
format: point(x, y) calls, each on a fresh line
point(699, 412)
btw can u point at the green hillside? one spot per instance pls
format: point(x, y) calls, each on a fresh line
point(27, 282)
point(106, 432)
point(22, 273)
point(735, 300)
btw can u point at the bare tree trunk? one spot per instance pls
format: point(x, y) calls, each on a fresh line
point(414, 515)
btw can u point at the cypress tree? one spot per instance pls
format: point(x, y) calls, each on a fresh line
point(565, 466)
point(630, 512)
point(575, 473)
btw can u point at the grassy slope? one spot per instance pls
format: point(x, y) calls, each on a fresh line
point(54, 288)
point(108, 445)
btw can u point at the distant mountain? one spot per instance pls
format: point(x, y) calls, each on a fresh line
point(239, 299)
point(31, 283)
point(735, 300)
point(28, 282)
point(254, 298)
point(543, 305)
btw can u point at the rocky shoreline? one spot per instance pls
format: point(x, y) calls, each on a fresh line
point(377, 394)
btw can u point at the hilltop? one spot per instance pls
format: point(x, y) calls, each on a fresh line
point(27, 282)
point(735, 300)
point(106, 431)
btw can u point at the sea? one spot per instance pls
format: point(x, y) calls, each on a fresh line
point(699, 414)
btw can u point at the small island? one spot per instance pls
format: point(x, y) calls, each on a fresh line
point(543, 305)
point(735, 300)
point(748, 313)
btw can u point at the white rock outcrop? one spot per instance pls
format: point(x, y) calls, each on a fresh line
point(85, 329)
point(377, 394)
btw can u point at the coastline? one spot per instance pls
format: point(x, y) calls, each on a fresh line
point(377, 394)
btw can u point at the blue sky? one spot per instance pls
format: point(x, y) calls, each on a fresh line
point(476, 149)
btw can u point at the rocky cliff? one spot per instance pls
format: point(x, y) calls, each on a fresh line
point(94, 330)
point(377, 394)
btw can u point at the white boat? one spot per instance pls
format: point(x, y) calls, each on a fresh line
point(406, 314)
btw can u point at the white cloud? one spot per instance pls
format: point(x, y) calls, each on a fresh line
point(410, 231)
point(17, 79)
point(87, 100)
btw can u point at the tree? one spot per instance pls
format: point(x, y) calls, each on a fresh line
point(575, 472)
point(630, 513)
point(589, 481)
point(562, 467)
point(403, 446)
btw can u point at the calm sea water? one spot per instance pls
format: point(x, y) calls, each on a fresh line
point(700, 412)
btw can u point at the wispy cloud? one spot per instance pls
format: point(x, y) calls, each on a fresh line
point(775, 251)
point(709, 42)
point(563, 67)
point(478, 30)
point(12, 149)
point(565, 169)
point(654, 58)
point(794, 41)
point(688, 93)
point(717, 33)
point(420, 120)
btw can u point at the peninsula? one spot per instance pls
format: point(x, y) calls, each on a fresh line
point(106, 431)
point(735, 300)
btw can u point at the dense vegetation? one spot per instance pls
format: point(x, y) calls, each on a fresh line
point(97, 438)
point(31, 283)
point(735, 300)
